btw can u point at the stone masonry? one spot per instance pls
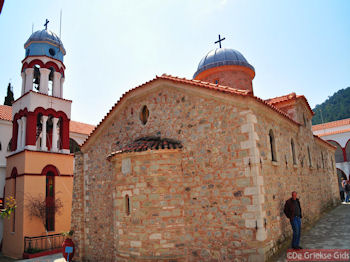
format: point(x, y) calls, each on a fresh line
point(218, 198)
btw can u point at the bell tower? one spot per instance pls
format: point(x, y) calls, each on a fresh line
point(40, 166)
point(41, 115)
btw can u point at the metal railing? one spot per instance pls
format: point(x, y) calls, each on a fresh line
point(42, 243)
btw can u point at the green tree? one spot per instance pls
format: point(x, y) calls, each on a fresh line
point(336, 107)
point(9, 97)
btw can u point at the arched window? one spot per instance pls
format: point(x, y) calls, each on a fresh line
point(304, 118)
point(272, 146)
point(127, 205)
point(339, 157)
point(50, 84)
point(9, 146)
point(144, 114)
point(293, 152)
point(309, 155)
point(322, 159)
point(14, 175)
point(50, 201)
point(36, 78)
point(73, 146)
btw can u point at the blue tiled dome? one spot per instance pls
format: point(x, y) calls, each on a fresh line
point(221, 57)
point(45, 36)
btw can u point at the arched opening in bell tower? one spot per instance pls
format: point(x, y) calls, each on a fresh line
point(39, 128)
point(36, 78)
point(50, 84)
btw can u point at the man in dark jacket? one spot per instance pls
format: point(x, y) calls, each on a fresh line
point(292, 210)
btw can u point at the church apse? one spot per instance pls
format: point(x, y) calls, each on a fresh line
point(149, 200)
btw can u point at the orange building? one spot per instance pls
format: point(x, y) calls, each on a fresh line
point(39, 168)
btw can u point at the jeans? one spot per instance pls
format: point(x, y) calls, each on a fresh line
point(347, 199)
point(296, 226)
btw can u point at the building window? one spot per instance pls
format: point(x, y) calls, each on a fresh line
point(309, 154)
point(216, 81)
point(14, 188)
point(322, 159)
point(50, 201)
point(127, 205)
point(144, 114)
point(272, 146)
point(304, 120)
point(293, 152)
point(0, 146)
point(9, 146)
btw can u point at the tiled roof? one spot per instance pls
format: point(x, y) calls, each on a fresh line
point(279, 99)
point(196, 83)
point(148, 143)
point(6, 113)
point(80, 128)
point(76, 127)
point(334, 132)
point(276, 100)
point(332, 124)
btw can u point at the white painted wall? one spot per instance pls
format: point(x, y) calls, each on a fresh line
point(5, 136)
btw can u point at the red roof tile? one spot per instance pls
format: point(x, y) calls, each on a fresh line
point(6, 113)
point(332, 124)
point(148, 143)
point(80, 128)
point(197, 83)
point(276, 100)
point(334, 132)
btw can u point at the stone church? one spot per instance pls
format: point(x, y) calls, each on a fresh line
point(199, 170)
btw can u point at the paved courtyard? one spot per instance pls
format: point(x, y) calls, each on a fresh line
point(332, 231)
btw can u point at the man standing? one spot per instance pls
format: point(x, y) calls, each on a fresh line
point(292, 210)
point(342, 190)
point(347, 191)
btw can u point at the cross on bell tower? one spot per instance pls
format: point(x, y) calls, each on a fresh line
point(47, 21)
point(219, 41)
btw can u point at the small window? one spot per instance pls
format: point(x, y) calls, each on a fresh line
point(127, 205)
point(272, 146)
point(304, 120)
point(216, 81)
point(9, 146)
point(52, 51)
point(144, 115)
point(293, 152)
point(322, 159)
point(309, 154)
point(0, 146)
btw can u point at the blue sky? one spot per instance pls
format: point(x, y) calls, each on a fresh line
point(112, 46)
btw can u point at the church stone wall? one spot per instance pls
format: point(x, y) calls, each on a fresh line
point(231, 192)
point(316, 183)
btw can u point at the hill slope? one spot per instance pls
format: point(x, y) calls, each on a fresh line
point(336, 107)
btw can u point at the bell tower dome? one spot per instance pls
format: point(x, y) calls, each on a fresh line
point(227, 67)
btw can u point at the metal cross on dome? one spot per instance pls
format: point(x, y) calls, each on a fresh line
point(46, 22)
point(219, 41)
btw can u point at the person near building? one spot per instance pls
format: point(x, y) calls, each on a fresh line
point(292, 209)
point(342, 189)
point(347, 191)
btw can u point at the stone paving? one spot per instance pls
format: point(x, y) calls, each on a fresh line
point(332, 231)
